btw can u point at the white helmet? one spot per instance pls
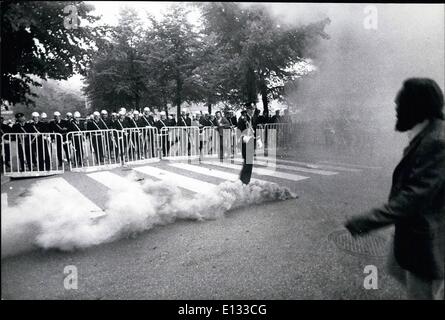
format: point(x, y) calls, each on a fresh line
point(77, 114)
point(43, 115)
point(162, 113)
point(121, 112)
point(96, 113)
point(69, 114)
point(146, 109)
point(34, 114)
point(57, 113)
point(136, 112)
point(104, 112)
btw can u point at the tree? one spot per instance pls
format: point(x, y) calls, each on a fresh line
point(263, 52)
point(116, 73)
point(35, 45)
point(173, 51)
point(54, 96)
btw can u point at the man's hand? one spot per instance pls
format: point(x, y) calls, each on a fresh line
point(354, 226)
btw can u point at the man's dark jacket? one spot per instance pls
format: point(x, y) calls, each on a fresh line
point(416, 205)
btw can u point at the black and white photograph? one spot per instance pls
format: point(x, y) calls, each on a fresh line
point(222, 151)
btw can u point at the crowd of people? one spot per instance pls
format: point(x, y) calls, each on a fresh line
point(74, 122)
point(130, 119)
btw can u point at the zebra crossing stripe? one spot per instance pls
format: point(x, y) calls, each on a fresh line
point(293, 168)
point(309, 165)
point(350, 165)
point(63, 187)
point(259, 171)
point(110, 180)
point(208, 172)
point(188, 183)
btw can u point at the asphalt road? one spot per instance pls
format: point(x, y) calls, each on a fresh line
point(278, 250)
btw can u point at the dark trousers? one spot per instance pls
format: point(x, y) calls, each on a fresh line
point(165, 144)
point(59, 144)
point(247, 153)
point(96, 140)
point(221, 147)
point(42, 154)
point(78, 154)
point(24, 151)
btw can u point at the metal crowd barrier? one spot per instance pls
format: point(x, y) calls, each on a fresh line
point(217, 142)
point(179, 142)
point(284, 136)
point(95, 149)
point(140, 145)
point(32, 154)
point(37, 154)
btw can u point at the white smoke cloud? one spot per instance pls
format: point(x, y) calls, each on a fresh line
point(63, 225)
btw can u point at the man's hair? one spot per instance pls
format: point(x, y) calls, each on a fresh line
point(422, 98)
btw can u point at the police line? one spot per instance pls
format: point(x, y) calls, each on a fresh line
point(41, 154)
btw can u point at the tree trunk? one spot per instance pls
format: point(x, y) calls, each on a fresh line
point(265, 99)
point(178, 97)
point(209, 108)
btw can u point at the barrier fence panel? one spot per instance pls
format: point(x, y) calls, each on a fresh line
point(32, 154)
point(283, 132)
point(218, 142)
point(179, 142)
point(95, 149)
point(140, 145)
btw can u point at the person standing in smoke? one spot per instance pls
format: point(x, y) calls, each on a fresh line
point(247, 137)
point(416, 204)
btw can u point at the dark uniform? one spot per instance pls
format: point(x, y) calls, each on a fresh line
point(61, 127)
point(233, 121)
point(119, 125)
point(23, 144)
point(149, 136)
point(6, 150)
point(77, 141)
point(205, 122)
point(40, 148)
point(110, 141)
point(164, 136)
point(135, 138)
point(184, 122)
point(96, 139)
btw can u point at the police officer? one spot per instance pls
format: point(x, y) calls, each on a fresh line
point(23, 142)
point(77, 140)
point(96, 138)
point(69, 117)
point(39, 144)
point(184, 121)
point(58, 125)
point(148, 121)
point(5, 129)
point(135, 122)
point(161, 123)
point(120, 124)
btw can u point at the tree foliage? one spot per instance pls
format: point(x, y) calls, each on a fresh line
point(35, 45)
